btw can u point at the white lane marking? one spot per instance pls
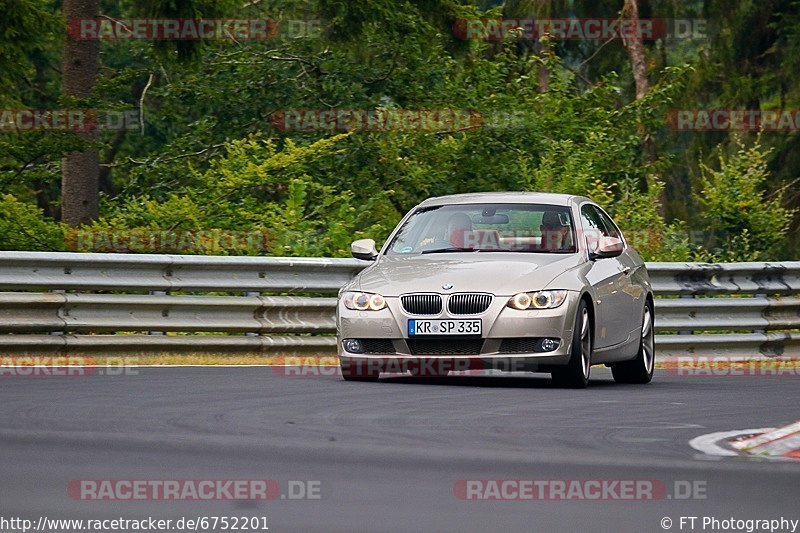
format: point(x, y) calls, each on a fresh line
point(708, 443)
point(672, 426)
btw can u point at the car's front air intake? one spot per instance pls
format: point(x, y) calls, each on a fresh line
point(469, 303)
point(445, 346)
point(422, 304)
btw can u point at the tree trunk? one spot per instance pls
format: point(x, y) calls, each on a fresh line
point(636, 50)
point(80, 171)
point(638, 58)
point(544, 79)
point(543, 10)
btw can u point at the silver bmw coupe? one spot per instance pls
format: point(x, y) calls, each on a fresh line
point(506, 281)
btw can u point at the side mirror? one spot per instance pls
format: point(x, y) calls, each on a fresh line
point(607, 247)
point(364, 249)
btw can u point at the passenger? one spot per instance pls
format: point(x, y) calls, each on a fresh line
point(459, 227)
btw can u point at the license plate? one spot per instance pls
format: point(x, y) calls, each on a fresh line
point(443, 327)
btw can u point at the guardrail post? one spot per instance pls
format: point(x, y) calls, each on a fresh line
point(686, 331)
point(57, 333)
point(251, 294)
point(157, 293)
point(762, 331)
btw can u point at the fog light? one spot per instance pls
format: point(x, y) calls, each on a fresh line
point(353, 346)
point(548, 345)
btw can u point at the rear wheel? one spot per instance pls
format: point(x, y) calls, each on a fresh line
point(640, 370)
point(576, 373)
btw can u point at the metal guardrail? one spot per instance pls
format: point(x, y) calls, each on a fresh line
point(725, 278)
point(74, 271)
point(109, 301)
point(98, 313)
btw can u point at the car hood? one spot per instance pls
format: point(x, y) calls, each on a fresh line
point(501, 274)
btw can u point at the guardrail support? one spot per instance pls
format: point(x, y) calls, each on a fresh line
point(163, 313)
point(252, 294)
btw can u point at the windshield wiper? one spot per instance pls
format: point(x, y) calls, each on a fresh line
point(476, 250)
point(449, 250)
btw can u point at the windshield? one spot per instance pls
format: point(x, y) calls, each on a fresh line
point(532, 228)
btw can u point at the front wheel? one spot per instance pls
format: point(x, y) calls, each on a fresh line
point(640, 370)
point(576, 373)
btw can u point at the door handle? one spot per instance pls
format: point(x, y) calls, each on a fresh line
point(627, 270)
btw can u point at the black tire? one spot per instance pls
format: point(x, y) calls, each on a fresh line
point(576, 373)
point(640, 370)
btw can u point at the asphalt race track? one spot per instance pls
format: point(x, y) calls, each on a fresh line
point(387, 455)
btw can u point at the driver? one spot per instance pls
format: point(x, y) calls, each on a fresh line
point(555, 235)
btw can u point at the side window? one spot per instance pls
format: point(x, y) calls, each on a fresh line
point(613, 231)
point(592, 221)
point(595, 225)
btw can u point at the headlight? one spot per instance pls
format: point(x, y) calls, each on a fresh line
point(363, 301)
point(538, 300)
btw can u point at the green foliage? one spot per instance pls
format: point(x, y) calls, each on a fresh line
point(210, 157)
point(23, 227)
point(746, 223)
point(28, 30)
point(256, 186)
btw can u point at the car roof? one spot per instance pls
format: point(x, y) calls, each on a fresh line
point(506, 197)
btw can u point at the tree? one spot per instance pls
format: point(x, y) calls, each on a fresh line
point(535, 9)
point(80, 197)
point(583, 127)
point(638, 58)
point(745, 223)
point(633, 42)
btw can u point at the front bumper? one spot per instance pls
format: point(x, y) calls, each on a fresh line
point(508, 341)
